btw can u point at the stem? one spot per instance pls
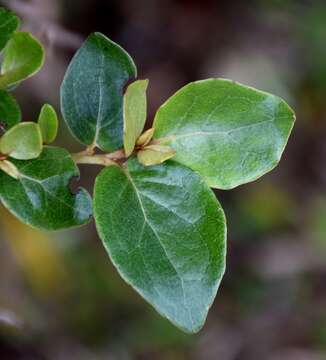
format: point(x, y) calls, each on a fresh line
point(88, 157)
point(92, 159)
point(117, 155)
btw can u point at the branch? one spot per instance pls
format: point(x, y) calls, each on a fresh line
point(54, 32)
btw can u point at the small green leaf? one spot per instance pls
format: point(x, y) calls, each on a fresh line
point(10, 113)
point(134, 114)
point(231, 134)
point(23, 141)
point(166, 234)
point(145, 138)
point(23, 57)
point(91, 93)
point(41, 196)
point(9, 23)
point(155, 154)
point(48, 122)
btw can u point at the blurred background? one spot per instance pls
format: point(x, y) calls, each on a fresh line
point(60, 298)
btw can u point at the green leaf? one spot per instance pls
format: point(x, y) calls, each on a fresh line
point(134, 114)
point(155, 154)
point(23, 141)
point(231, 134)
point(48, 122)
point(10, 113)
point(166, 234)
point(41, 196)
point(91, 93)
point(8, 25)
point(23, 57)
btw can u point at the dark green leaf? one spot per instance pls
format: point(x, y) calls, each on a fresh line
point(134, 114)
point(10, 113)
point(23, 141)
point(231, 134)
point(91, 93)
point(8, 25)
point(48, 122)
point(165, 232)
point(23, 57)
point(41, 197)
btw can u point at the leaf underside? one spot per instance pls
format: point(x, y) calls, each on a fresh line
point(165, 232)
point(41, 197)
point(134, 114)
point(231, 134)
point(91, 93)
point(155, 154)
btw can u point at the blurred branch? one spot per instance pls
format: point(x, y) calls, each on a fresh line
point(41, 12)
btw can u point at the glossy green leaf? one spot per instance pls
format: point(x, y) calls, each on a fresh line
point(134, 114)
point(8, 25)
point(155, 154)
point(231, 134)
point(92, 92)
point(165, 232)
point(10, 113)
point(23, 57)
point(23, 141)
point(48, 122)
point(41, 196)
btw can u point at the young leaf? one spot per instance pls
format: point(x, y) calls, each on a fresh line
point(155, 154)
point(23, 141)
point(41, 196)
point(48, 122)
point(165, 232)
point(23, 57)
point(145, 138)
point(10, 113)
point(91, 92)
point(9, 168)
point(231, 134)
point(8, 25)
point(134, 114)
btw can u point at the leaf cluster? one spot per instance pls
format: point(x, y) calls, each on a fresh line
point(154, 209)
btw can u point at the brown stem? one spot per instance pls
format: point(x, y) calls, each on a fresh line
point(117, 155)
point(88, 157)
